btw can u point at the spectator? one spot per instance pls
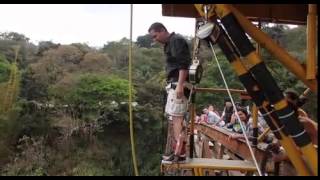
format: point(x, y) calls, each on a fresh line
point(213, 118)
point(248, 127)
point(227, 111)
point(213, 109)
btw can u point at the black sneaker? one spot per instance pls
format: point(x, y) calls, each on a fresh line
point(174, 159)
point(182, 159)
point(167, 156)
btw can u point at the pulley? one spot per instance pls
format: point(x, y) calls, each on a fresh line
point(209, 30)
point(195, 71)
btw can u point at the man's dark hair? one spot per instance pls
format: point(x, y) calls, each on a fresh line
point(157, 27)
point(243, 110)
point(227, 100)
point(238, 104)
point(293, 95)
point(297, 100)
point(301, 101)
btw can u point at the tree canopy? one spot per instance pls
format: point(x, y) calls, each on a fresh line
point(71, 115)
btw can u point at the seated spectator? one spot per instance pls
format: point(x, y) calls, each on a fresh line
point(248, 126)
point(227, 111)
point(234, 125)
point(262, 121)
point(197, 119)
point(212, 117)
point(204, 116)
point(213, 109)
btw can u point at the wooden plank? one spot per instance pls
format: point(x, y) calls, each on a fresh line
point(220, 90)
point(237, 146)
point(216, 164)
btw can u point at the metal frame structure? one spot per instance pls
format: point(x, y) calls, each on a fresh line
point(260, 85)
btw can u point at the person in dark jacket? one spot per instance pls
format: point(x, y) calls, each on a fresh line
point(178, 60)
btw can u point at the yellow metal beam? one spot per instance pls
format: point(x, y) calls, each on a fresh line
point(216, 164)
point(255, 116)
point(195, 171)
point(216, 90)
point(261, 137)
point(292, 65)
point(200, 171)
point(255, 125)
point(312, 156)
point(283, 56)
point(200, 9)
point(311, 41)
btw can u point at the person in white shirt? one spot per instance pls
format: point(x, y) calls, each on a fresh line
point(247, 122)
point(213, 118)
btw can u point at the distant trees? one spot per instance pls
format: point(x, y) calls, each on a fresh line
point(46, 45)
point(95, 62)
point(144, 41)
point(118, 53)
point(92, 83)
point(92, 89)
point(4, 69)
point(56, 66)
point(14, 36)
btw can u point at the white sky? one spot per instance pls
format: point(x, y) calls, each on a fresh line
point(94, 24)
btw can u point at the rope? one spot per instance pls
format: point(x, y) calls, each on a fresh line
point(163, 131)
point(130, 98)
point(238, 118)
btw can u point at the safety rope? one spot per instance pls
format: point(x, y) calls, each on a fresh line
point(130, 98)
point(238, 118)
point(163, 139)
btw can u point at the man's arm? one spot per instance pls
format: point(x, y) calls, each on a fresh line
point(236, 136)
point(183, 74)
point(180, 51)
point(217, 123)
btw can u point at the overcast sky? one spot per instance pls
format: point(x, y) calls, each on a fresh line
point(94, 24)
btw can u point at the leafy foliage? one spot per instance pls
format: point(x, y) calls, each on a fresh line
point(144, 41)
point(92, 89)
point(4, 69)
point(71, 117)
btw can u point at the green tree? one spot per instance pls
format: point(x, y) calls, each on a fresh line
point(118, 52)
point(92, 89)
point(4, 69)
point(14, 36)
point(144, 41)
point(45, 46)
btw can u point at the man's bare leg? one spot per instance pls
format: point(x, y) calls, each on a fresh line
point(170, 139)
point(178, 133)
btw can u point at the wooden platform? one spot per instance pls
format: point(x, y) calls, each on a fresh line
point(236, 146)
point(213, 164)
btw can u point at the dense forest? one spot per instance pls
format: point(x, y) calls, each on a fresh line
point(64, 108)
